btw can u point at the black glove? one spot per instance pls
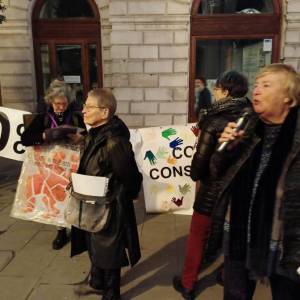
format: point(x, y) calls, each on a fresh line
point(53, 135)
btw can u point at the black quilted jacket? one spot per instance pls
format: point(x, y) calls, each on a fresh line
point(212, 121)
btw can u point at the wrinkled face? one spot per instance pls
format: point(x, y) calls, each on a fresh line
point(270, 100)
point(93, 113)
point(59, 104)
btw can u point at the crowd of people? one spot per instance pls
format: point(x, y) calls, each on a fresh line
point(247, 206)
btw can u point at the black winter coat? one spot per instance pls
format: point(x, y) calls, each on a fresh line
point(288, 191)
point(212, 123)
point(108, 151)
point(33, 134)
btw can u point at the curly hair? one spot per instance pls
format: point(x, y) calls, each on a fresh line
point(58, 88)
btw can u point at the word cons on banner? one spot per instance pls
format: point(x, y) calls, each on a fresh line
point(11, 128)
point(165, 158)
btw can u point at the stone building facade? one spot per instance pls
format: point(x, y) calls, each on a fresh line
point(145, 54)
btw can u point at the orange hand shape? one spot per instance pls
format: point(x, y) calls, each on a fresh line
point(171, 160)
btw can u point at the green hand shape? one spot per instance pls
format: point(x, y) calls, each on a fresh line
point(166, 133)
point(161, 153)
point(184, 189)
point(151, 157)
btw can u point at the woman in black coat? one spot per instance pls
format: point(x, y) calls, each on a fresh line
point(229, 93)
point(38, 133)
point(108, 153)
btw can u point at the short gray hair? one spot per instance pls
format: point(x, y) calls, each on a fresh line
point(58, 88)
point(106, 98)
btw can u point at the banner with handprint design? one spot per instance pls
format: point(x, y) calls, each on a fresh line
point(41, 193)
point(165, 158)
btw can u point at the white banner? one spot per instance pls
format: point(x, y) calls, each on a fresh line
point(11, 127)
point(164, 157)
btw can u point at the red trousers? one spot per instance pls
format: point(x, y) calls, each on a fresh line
point(199, 230)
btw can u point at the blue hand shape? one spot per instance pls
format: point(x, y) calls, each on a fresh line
point(176, 143)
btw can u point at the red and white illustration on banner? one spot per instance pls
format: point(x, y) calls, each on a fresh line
point(41, 194)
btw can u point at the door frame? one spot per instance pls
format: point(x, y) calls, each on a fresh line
point(79, 31)
point(231, 27)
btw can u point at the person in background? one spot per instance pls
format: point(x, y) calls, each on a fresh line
point(229, 92)
point(202, 95)
point(260, 198)
point(108, 153)
point(58, 113)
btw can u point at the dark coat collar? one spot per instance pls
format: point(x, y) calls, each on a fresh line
point(229, 104)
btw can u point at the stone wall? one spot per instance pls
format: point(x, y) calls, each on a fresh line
point(149, 60)
point(145, 58)
point(17, 73)
point(291, 34)
point(16, 58)
point(145, 52)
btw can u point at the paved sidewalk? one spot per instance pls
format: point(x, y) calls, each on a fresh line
point(31, 270)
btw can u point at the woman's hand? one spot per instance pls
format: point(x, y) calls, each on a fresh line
point(231, 134)
point(75, 138)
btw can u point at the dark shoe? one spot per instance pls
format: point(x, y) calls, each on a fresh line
point(112, 279)
point(187, 294)
point(85, 289)
point(60, 240)
point(110, 297)
point(107, 296)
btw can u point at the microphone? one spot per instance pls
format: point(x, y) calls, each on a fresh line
point(241, 124)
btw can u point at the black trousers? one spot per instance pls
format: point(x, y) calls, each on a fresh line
point(238, 286)
point(107, 280)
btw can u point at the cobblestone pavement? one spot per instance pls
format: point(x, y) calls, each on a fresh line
point(31, 270)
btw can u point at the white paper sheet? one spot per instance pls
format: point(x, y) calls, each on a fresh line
point(89, 185)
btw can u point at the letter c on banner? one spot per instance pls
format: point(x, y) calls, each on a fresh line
point(5, 130)
point(20, 128)
point(174, 152)
point(151, 173)
point(188, 148)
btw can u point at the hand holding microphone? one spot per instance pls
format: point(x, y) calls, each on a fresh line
point(233, 131)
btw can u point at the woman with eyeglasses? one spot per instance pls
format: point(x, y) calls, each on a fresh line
point(230, 102)
point(107, 152)
point(58, 113)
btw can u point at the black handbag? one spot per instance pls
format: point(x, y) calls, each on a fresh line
point(89, 213)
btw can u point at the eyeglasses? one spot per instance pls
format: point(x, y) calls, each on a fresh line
point(92, 107)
